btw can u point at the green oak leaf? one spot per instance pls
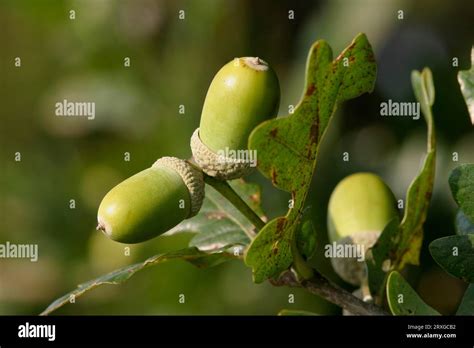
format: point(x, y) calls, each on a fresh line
point(219, 223)
point(461, 181)
point(466, 82)
point(287, 147)
point(463, 224)
point(403, 299)
point(306, 235)
point(378, 257)
point(295, 313)
point(455, 254)
point(196, 257)
point(420, 190)
point(467, 303)
point(400, 245)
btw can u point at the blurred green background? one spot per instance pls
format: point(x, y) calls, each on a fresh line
point(172, 62)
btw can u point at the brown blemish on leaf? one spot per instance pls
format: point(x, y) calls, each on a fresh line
point(274, 132)
point(280, 227)
point(274, 176)
point(311, 89)
point(314, 134)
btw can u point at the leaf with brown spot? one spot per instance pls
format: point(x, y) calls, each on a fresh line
point(287, 146)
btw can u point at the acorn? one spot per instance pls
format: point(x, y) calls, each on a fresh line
point(152, 201)
point(243, 94)
point(360, 207)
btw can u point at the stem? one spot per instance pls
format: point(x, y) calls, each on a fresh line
point(319, 285)
point(228, 192)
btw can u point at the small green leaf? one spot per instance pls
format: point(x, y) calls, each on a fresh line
point(466, 81)
point(463, 224)
point(198, 258)
point(461, 181)
point(306, 237)
point(295, 313)
point(287, 147)
point(219, 223)
point(467, 304)
point(455, 254)
point(378, 258)
point(403, 300)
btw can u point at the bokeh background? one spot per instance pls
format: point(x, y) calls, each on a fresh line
point(172, 62)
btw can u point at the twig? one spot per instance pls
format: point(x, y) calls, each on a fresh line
point(319, 285)
point(228, 192)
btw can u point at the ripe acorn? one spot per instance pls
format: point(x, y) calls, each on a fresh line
point(244, 93)
point(360, 207)
point(152, 201)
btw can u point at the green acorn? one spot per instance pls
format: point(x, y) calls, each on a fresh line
point(360, 207)
point(244, 93)
point(152, 201)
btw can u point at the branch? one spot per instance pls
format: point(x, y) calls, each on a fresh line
point(319, 285)
point(228, 192)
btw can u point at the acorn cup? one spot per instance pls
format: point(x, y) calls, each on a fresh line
point(360, 207)
point(152, 201)
point(244, 93)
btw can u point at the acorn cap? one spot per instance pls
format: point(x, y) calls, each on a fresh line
point(218, 165)
point(192, 178)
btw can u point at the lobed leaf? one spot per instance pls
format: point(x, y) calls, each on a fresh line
point(420, 190)
point(287, 147)
point(400, 245)
point(403, 300)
